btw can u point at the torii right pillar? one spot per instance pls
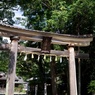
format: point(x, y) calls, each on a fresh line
point(72, 71)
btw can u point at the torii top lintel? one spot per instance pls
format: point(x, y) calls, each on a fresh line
point(37, 36)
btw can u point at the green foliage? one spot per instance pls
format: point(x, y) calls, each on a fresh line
point(91, 86)
point(28, 68)
point(4, 60)
point(6, 12)
point(19, 88)
point(58, 18)
point(81, 17)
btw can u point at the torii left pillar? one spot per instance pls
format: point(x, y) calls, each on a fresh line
point(12, 66)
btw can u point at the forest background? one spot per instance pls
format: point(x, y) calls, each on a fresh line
point(76, 17)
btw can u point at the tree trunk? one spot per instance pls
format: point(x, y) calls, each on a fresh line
point(53, 76)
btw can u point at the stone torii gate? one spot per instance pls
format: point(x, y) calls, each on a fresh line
point(16, 34)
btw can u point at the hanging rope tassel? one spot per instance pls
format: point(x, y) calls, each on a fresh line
point(38, 57)
point(56, 58)
point(60, 59)
point(44, 57)
point(50, 58)
point(32, 56)
point(25, 58)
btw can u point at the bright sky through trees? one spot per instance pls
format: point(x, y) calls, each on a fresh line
point(18, 14)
